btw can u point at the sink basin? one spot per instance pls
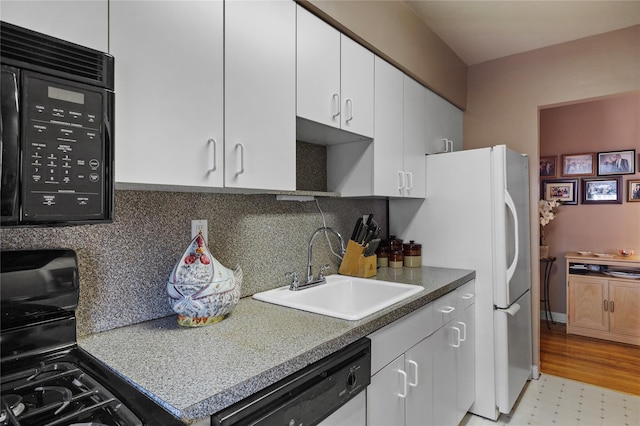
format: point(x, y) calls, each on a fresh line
point(342, 297)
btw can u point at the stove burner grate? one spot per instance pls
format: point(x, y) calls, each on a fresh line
point(60, 393)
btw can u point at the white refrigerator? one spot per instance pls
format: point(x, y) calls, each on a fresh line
point(476, 216)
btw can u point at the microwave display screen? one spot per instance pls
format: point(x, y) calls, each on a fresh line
point(66, 95)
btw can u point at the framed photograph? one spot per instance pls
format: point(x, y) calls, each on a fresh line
point(633, 191)
point(617, 162)
point(548, 167)
point(565, 190)
point(602, 190)
point(579, 165)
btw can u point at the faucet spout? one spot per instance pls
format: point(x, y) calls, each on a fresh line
point(324, 229)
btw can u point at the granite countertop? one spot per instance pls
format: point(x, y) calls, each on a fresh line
point(195, 372)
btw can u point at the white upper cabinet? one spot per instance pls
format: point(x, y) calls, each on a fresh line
point(415, 127)
point(83, 22)
point(318, 70)
point(260, 94)
point(169, 92)
point(445, 125)
point(334, 77)
point(389, 178)
point(356, 65)
point(399, 143)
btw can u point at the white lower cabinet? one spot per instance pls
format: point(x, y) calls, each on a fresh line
point(454, 371)
point(423, 365)
point(353, 413)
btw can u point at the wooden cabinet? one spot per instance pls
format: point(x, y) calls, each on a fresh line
point(84, 22)
point(260, 94)
point(334, 77)
point(169, 108)
point(219, 111)
point(423, 365)
point(444, 125)
point(600, 305)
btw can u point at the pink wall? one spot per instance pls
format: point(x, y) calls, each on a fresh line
point(606, 124)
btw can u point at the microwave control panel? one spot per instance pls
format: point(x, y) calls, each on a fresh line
point(63, 151)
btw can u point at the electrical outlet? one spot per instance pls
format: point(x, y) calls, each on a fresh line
point(200, 226)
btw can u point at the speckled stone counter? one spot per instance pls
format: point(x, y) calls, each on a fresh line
point(195, 372)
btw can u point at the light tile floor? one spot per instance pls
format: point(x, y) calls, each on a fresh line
point(552, 400)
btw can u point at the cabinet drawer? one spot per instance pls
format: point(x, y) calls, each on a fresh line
point(396, 338)
point(446, 308)
point(467, 294)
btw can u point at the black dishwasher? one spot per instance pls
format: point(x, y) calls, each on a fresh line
point(308, 396)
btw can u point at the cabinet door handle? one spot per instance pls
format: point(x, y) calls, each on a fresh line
point(404, 386)
point(241, 147)
point(449, 145)
point(605, 305)
point(215, 161)
point(349, 106)
point(457, 344)
point(446, 309)
point(409, 180)
point(611, 306)
point(464, 331)
point(400, 180)
point(415, 374)
point(336, 98)
point(467, 296)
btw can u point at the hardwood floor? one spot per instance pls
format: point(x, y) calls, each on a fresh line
point(599, 362)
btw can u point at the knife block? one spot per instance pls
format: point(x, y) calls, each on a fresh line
point(355, 264)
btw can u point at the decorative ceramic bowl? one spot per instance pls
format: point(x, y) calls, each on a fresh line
point(626, 252)
point(201, 290)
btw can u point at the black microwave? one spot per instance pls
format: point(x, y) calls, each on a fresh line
point(57, 123)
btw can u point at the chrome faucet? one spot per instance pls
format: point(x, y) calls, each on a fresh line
point(311, 281)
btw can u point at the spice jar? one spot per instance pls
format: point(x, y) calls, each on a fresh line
point(383, 255)
point(396, 257)
point(412, 254)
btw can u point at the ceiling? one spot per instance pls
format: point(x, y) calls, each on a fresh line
point(481, 30)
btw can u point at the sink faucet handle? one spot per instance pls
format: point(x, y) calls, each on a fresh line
point(294, 278)
point(322, 269)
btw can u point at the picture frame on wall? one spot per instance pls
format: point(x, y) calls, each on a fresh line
point(579, 164)
point(564, 190)
point(633, 191)
point(617, 162)
point(548, 167)
point(602, 190)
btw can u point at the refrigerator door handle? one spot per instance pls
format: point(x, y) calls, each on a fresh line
point(511, 310)
point(512, 208)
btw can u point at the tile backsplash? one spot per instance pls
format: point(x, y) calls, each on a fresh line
point(124, 265)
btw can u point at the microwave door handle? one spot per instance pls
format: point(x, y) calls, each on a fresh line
point(9, 143)
point(512, 208)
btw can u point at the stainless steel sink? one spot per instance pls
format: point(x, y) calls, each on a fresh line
point(342, 297)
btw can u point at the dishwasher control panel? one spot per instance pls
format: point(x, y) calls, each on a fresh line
point(308, 396)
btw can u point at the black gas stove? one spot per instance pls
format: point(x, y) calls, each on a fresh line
point(46, 378)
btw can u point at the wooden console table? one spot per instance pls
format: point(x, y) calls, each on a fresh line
point(601, 305)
